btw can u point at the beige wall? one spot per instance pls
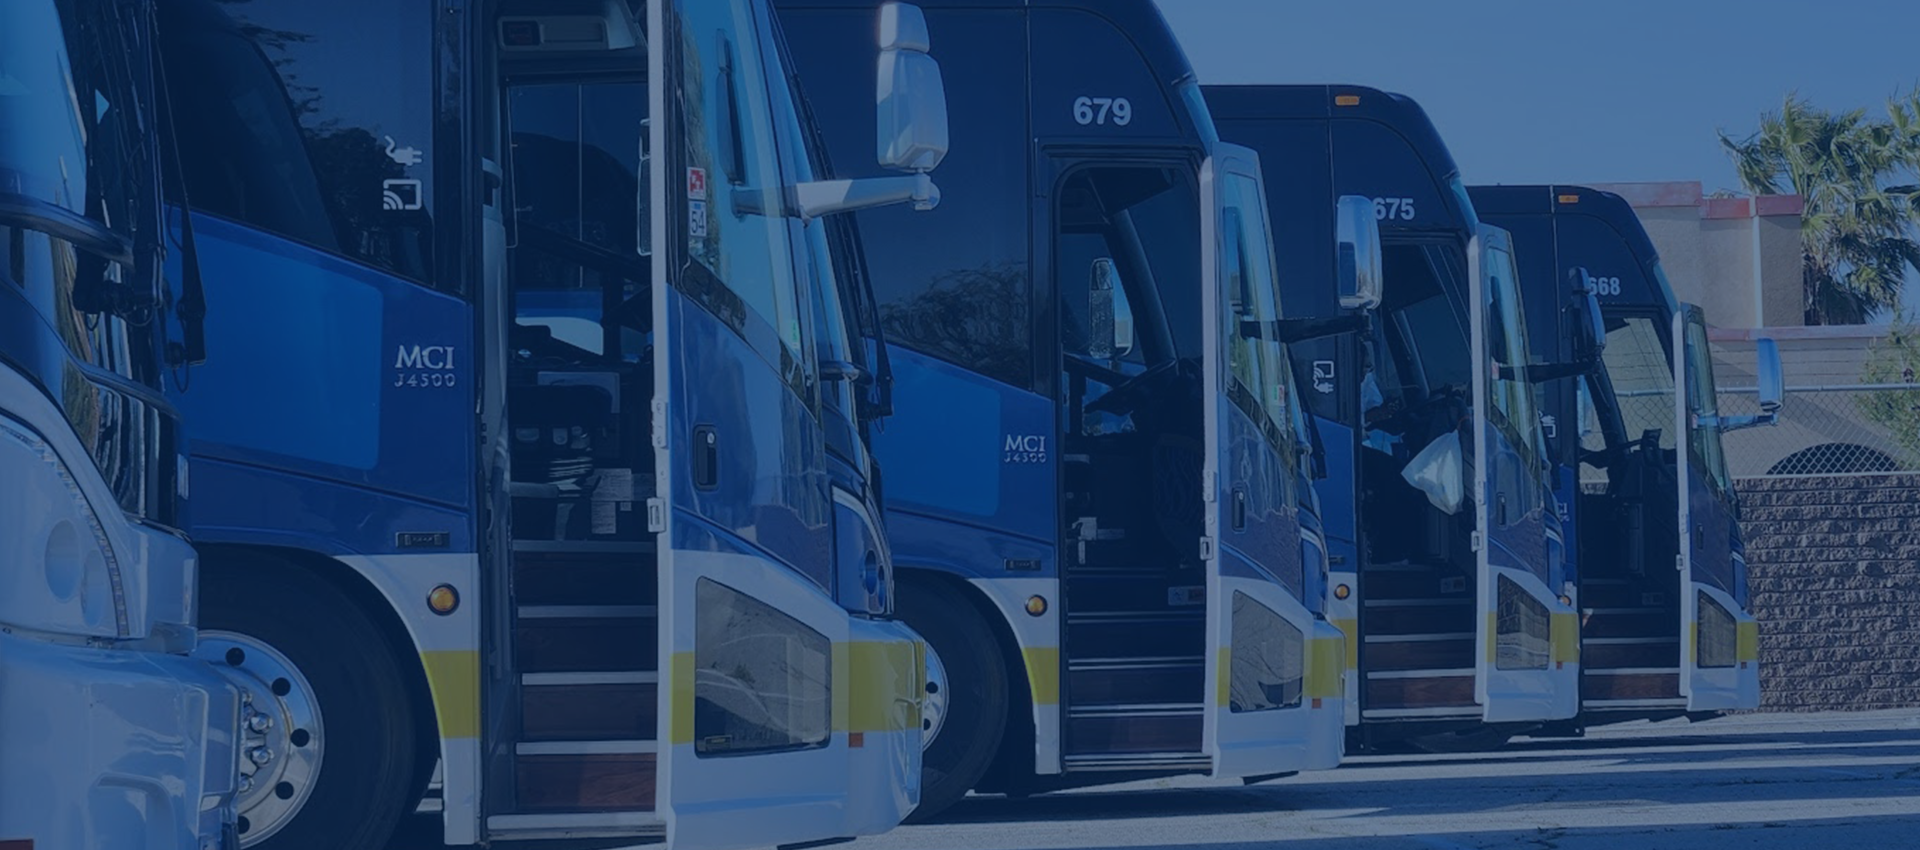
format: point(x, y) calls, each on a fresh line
point(1707, 247)
point(1780, 253)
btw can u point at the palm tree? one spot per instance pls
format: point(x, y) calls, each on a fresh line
point(1858, 238)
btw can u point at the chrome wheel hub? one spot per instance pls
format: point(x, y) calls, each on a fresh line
point(933, 699)
point(280, 743)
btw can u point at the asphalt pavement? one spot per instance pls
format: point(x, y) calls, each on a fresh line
point(1786, 781)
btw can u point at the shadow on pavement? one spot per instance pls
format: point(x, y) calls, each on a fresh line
point(1886, 831)
point(1684, 780)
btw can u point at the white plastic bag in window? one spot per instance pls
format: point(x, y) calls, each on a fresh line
point(1440, 471)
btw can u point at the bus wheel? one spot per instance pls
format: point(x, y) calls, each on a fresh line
point(966, 693)
point(328, 744)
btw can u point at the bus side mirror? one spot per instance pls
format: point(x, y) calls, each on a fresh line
point(1768, 376)
point(1109, 318)
point(910, 97)
point(910, 103)
point(1357, 253)
point(1771, 390)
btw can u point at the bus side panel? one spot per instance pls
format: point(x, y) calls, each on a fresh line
point(242, 504)
point(329, 370)
point(966, 448)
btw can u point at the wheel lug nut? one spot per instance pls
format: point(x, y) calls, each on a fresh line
point(259, 722)
point(260, 756)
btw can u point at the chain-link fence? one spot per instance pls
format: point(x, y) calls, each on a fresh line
point(1852, 406)
point(1861, 429)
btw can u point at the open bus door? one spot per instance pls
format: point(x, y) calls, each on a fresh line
point(770, 694)
point(1719, 667)
point(1519, 672)
point(1263, 694)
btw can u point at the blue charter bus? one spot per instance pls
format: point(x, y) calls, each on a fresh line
point(1640, 473)
point(1446, 556)
point(112, 735)
point(535, 443)
point(1097, 469)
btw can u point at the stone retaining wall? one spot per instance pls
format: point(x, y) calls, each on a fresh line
point(1835, 576)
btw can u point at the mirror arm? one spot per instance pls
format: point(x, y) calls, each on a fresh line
point(807, 201)
point(841, 370)
point(91, 295)
point(1724, 424)
point(1543, 373)
point(1291, 331)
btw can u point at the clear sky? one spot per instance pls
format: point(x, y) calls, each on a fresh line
point(1587, 91)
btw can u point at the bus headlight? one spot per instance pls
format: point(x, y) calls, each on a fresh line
point(46, 520)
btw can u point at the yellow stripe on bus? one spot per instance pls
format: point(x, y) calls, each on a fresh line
point(1566, 638)
point(886, 683)
point(1351, 628)
point(1043, 673)
point(454, 678)
point(680, 709)
point(875, 688)
point(1748, 647)
point(1326, 668)
point(1223, 683)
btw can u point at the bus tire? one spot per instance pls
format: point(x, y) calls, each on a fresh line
point(975, 719)
point(355, 775)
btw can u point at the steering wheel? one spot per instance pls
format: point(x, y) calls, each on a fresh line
point(1129, 394)
point(1094, 371)
point(1404, 420)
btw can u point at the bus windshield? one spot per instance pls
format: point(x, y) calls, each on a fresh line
point(1642, 377)
point(62, 133)
point(41, 126)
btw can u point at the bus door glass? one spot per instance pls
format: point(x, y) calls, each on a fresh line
point(1514, 660)
point(1710, 656)
point(1258, 626)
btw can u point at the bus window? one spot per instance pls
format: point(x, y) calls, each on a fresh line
point(1592, 439)
point(1512, 396)
point(1636, 361)
point(965, 301)
point(1703, 444)
point(1144, 220)
point(327, 123)
point(576, 175)
point(1426, 323)
point(1255, 363)
point(736, 225)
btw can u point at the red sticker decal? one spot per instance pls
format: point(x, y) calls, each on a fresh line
point(697, 184)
